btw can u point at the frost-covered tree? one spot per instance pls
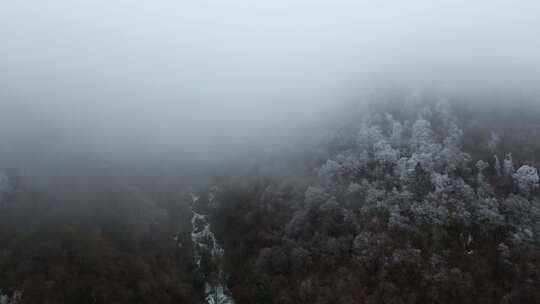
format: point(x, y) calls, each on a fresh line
point(330, 171)
point(297, 225)
point(481, 166)
point(427, 213)
point(384, 153)
point(508, 165)
point(487, 213)
point(403, 169)
point(343, 166)
point(396, 131)
point(315, 196)
point(422, 135)
point(407, 215)
point(454, 135)
point(526, 178)
point(420, 184)
point(368, 136)
point(441, 182)
point(484, 189)
point(425, 150)
point(352, 163)
point(493, 141)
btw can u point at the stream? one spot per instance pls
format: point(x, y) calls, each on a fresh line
point(205, 246)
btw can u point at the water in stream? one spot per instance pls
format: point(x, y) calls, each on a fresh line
point(206, 250)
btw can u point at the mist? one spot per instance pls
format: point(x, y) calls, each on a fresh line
point(285, 151)
point(206, 82)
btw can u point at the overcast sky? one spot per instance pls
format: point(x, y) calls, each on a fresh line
point(217, 76)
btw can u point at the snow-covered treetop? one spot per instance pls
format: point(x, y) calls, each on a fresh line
point(508, 165)
point(526, 178)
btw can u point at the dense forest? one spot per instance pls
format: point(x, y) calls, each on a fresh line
point(269, 152)
point(419, 200)
point(413, 203)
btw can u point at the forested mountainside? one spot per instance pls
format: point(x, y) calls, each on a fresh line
point(422, 202)
point(94, 240)
point(408, 204)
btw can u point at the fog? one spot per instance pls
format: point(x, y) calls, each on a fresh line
point(208, 81)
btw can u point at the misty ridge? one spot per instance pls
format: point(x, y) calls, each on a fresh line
point(224, 152)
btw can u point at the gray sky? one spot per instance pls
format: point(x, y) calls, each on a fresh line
point(212, 77)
